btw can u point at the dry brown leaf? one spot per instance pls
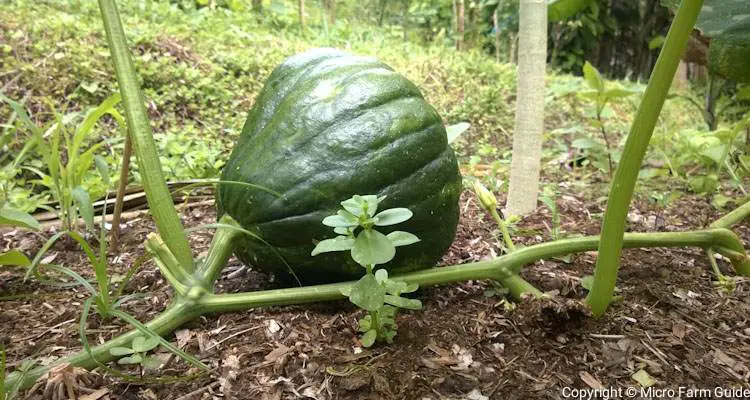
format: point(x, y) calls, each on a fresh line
point(590, 380)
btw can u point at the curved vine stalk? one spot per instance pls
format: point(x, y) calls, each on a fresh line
point(621, 192)
point(505, 269)
point(159, 200)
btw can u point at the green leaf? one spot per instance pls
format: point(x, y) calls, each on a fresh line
point(704, 184)
point(729, 51)
point(392, 216)
point(585, 143)
point(102, 168)
point(743, 92)
point(372, 247)
point(592, 95)
point(454, 131)
point(400, 238)
point(402, 302)
point(718, 16)
point(388, 335)
point(353, 206)
point(367, 293)
point(18, 218)
point(120, 351)
point(381, 276)
point(90, 87)
point(342, 230)
point(134, 359)
point(618, 93)
point(357, 204)
point(719, 201)
point(715, 153)
point(338, 221)
point(587, 282)
point(365, 324)
point(14, 257)
point(339, 243)
point(592, 77)
point(656, 42)
point(142, 345)
point(395, 287)
point(370, 202)
point(558, 10)
point(368, 339)
point(85, 207)
point(151, 363)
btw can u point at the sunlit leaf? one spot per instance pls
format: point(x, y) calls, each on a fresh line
point(455, 130)
point(402, 302)
point(558, 10)
point(339, 243)
point(14, 257)
point(141, 344)
point(392, 216)
point(368, 339)
point(121, 351)
point(18, 218)
point(102, 168)
point(338, 221)
point(372, 247)
point(367, 293)
point(400, 238)
point(85, 207)
point(134, 359)
point(592, 77)
point(381, 276)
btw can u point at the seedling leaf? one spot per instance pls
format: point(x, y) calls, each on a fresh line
point(368, 339)
point(367, 293)
point(339, 243)
point(402, 302)
point(400, 238)
point(121, 351)
point(372, 248)
point(392, 216)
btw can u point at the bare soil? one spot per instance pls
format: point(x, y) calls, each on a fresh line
point(672, 323)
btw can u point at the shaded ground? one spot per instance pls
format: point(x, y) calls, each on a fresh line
point(463, 345)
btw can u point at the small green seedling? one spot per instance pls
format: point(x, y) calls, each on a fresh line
point(137, 353)
point(374, 292)
point(489, 202)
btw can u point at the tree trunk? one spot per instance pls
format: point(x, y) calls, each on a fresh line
point(460, 24)
point(258, 6)
point(529, 126)
point(405, 18)
point(331, 8)
point(497, 36)
point(382, 12)
point(302, 15)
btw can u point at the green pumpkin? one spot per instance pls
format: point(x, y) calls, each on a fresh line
point(326, 126)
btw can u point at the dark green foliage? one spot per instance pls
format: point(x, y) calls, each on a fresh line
point(730, 52)
point(614, 36)
point(328, 125)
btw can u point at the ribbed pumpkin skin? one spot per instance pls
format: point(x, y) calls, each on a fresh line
point(326, 126)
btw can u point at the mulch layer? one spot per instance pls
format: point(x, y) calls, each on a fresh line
point(672, 323)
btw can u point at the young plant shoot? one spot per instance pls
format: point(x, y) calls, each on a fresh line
point(374, 292)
